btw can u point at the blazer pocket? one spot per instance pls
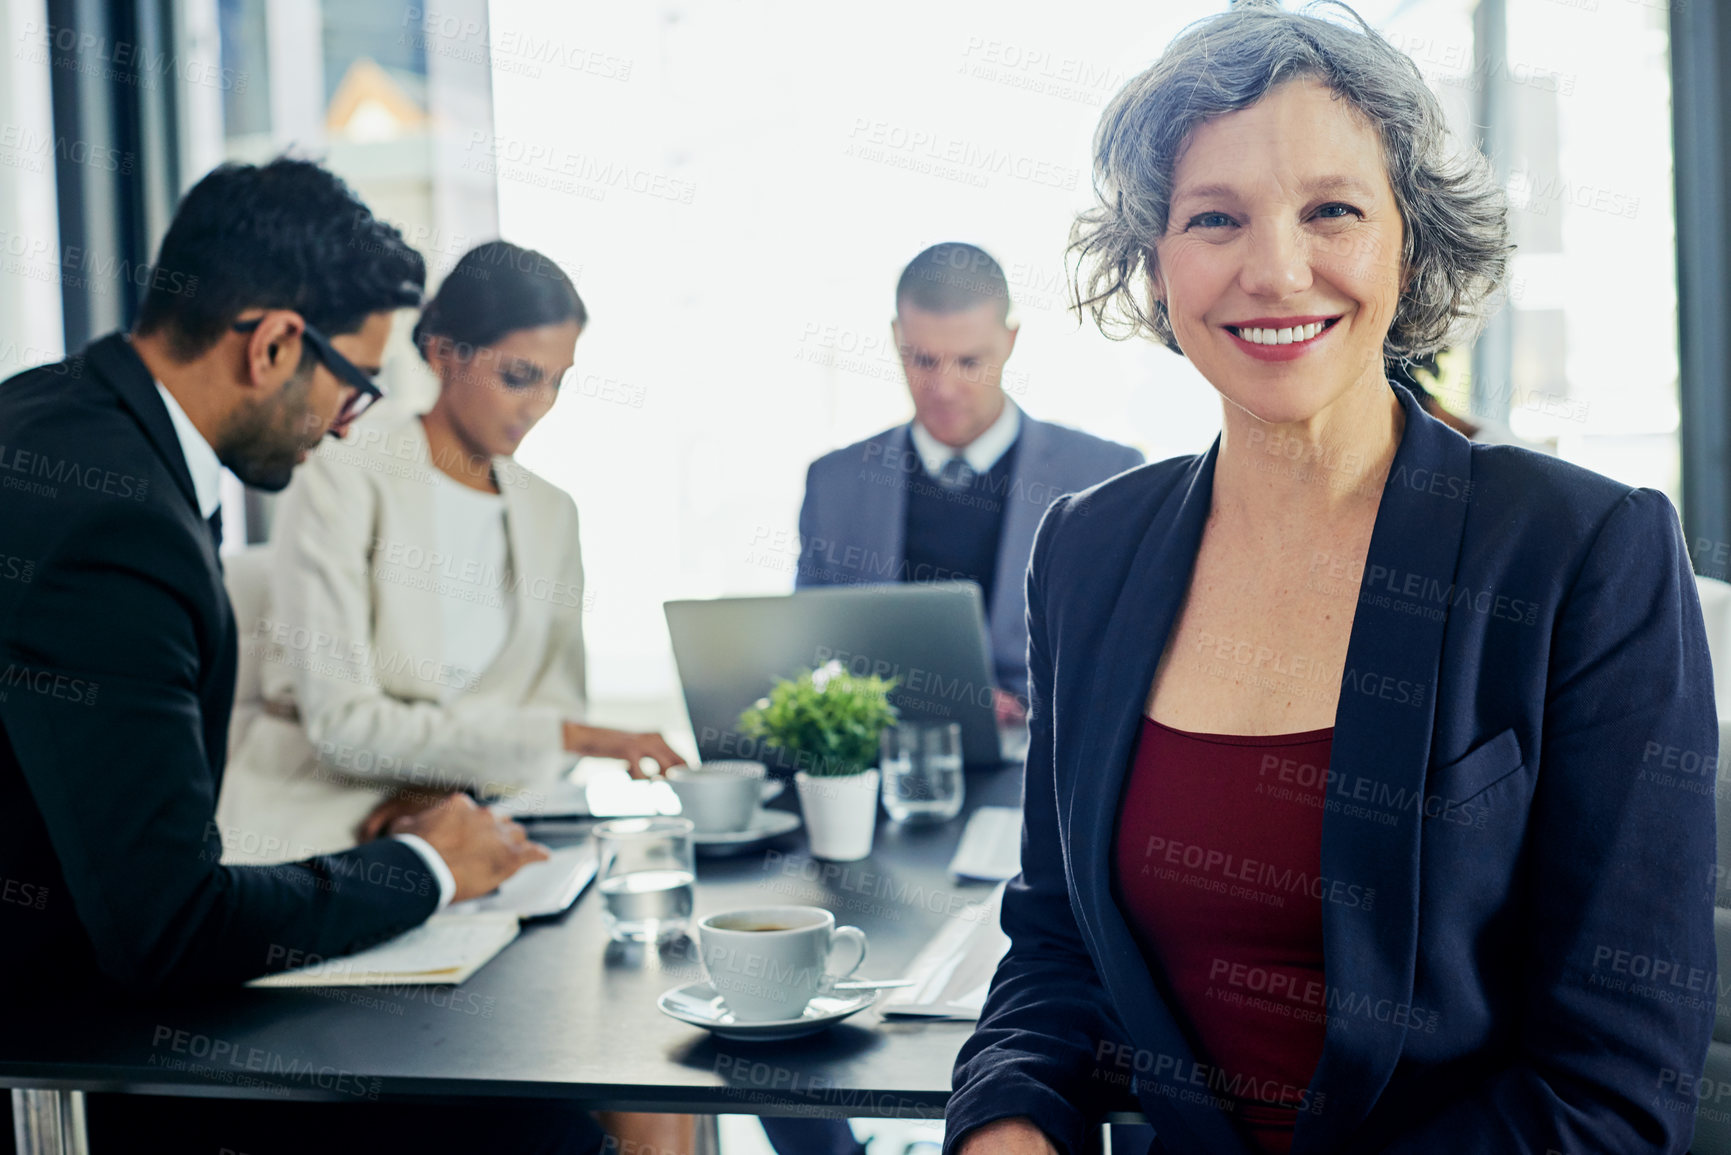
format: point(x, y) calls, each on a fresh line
point(1478, 769)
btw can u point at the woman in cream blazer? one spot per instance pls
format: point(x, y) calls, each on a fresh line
point(407, 650)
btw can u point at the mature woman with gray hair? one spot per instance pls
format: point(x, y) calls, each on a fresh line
point(1348, 819)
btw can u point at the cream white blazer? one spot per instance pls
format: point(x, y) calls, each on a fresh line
point(350, 651)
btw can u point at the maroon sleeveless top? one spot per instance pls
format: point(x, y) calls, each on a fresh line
point(1218, 867)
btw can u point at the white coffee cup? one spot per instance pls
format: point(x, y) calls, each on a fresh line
point(718, 797)
point(768, 962)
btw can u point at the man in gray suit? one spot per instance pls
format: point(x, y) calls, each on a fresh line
point(957, 492)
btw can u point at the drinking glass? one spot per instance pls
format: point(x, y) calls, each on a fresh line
point(922, 769)
point(646, 877)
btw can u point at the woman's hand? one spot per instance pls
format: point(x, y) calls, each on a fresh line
point(599, 742)
point(1015, 1136)
point(1009, 709)
point(403, 804)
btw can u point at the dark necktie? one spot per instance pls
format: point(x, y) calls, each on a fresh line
point(956, 473)
point(215, 524)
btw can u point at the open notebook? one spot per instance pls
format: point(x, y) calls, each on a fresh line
point(607, 792)
point(539, 890)
point(445, 949)
point(456, 943)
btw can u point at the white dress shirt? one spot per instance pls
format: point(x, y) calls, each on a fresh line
point(201, 459)
point(206, 470)
point(981, 453)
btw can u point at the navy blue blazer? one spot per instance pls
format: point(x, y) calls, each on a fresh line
point(1518, 925)
point(852, 524)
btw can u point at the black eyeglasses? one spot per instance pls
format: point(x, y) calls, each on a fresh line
point(363, 389)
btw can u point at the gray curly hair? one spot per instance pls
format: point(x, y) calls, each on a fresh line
point(1454, 217)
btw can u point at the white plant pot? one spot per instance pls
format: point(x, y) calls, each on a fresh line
point(841, 813)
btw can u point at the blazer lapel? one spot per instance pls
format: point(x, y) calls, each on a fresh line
point(114, 361)
point(527, 565)
point(878, 521)
point(1025, 503)
point(1381, 751)
point(1141, 620)
point(408, 615)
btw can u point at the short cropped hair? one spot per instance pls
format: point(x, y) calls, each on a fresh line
point(283, 235)
point(951, 278)
point(1454, 217)
point(497, 288)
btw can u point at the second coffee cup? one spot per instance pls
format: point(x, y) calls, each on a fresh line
point(718, 797)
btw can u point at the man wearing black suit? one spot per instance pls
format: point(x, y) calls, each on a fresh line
point(268, 312)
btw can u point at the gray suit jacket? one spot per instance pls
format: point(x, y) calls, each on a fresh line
point(851, 526)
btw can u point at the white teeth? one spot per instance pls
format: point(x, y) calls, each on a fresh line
point(1282, 336)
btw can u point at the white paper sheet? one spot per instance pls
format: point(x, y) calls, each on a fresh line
point(953, 972)
point(444, 949)
point(539, 889)
point(991, 845)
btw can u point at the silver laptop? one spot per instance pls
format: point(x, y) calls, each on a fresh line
point(930, 637)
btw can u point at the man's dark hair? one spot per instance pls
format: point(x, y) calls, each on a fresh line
point(284, 235)
point(494, 289)
point(951, 278)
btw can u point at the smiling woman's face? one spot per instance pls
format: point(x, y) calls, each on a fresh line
point(1281, 262)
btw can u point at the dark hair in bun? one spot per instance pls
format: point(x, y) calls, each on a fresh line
point(494, 289)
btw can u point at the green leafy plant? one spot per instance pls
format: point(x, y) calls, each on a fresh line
point(827, 718)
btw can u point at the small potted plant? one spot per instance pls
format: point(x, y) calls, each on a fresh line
point(829, 720)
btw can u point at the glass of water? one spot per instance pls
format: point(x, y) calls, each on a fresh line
point(922, 771)
point(646, 877)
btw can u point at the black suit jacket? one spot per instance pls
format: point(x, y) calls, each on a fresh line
point(117, 663)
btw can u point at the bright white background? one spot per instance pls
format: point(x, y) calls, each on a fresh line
point(736, 186)
point(753, 323)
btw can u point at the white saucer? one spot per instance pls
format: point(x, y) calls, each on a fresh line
point(765, 824)
point(699, 1005)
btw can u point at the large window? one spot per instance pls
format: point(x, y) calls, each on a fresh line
point(737, 186)
point(371, 89)
point(1571, 100)
point(740, 186)
point(30, 316)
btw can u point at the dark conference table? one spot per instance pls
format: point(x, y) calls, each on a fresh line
point(560, 1013)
